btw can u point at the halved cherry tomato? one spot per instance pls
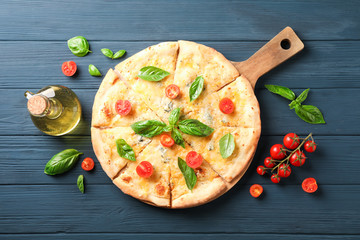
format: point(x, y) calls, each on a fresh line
point(269, 162)
point(284, 170)
point(309, 185)
point(166, 140)
point(193, 159)
point(172, 91)
point(310, 146)
point(145, 169)
point(277, 152)
point(256, 190)
point(123, 107)
point(88, 164)
point(69, 68)
point(291, 141)
point(226, 106)
point(275, 178)
point(297, 159)
point(260, 170)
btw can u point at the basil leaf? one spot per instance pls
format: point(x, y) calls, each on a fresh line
point(188, 173)
point(309, 114)
point(176, 135)
point(94, 71)
point(302, 96)
point(293, 104)
point(119, 54)
point(80, 183)
point(62, 162)
point(227, 145)
point(79, 46)
point(153, 74)
point(168, 128)
point(148, 128)
point(124, 150)
point(174, 116)
point(282, 91)
point(196, 88)
point(195, 128)
point(107, 52)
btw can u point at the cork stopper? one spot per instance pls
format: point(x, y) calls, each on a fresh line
point(37, 105)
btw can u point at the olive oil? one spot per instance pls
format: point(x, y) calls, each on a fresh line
point(54, 110)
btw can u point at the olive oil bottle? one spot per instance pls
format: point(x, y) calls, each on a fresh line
point(54, 110)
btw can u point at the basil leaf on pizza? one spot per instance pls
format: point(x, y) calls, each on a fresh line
point(195, 128)
point(227, 145)
point(79, 46)
point(188, 173)
point(176, 135)
point(148, 128)
point(80, 183)
point(124, 150)
point(153, 74)
point(174, 116)
point(196, 88)
point(62, 162)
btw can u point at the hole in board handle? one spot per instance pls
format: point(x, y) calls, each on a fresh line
point(285, 44)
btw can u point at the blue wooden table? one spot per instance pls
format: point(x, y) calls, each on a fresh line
point(33, 46)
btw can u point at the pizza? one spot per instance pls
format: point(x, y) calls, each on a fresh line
point(175, 125)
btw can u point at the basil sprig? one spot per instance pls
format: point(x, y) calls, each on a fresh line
point(80, 183)
point(308, 113)
point(188, 173)
point(174, 116)
point(148, 128)
point(94, 71)
point(176, 135)
point(124, 150)
point(196, 88)
point(195, 128)
point(62, 162)
point(79, 46)
point(151, 73)
point(108, 53)
point(227, 145)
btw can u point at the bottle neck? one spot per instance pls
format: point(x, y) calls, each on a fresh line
point(42, 106)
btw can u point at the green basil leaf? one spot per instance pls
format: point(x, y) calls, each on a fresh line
point(174, 116)
point(148, 128)
point(227, 145)
point(196, 88)
point(302, 96)
point(282, 91)
point(195, 128)
point(293, 104)
point(107, 52)
point(124, 150)
point(119, 54)
point(176, 135)
point(168, 128)
point(309, 114)
point(62, 162)
point(80, 183)
point(79, 46)
point(188, 173)
point(153, 74)
point(94, 71)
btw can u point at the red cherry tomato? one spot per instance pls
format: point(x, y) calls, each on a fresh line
point(309, 185)
point(226, 106)
point(88, 164)
point(269, 162)
point(69, 68)
point(256, 190)
point(297, 159)
point(172, 91)
point(275, 178)
point(277, 152)
point(310, 146)
point(123, 107)
point(284, 170)
point(166, 140)
point(144, 169)
point(291, 141)
point(261, 170)
point(193, 159)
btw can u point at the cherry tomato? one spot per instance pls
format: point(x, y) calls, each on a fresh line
point(309, 185)
point(310, 146)
point(88, 164)
point(256, 190)
point(226, 106)
point(172, 91)
point(284, 170)
point(291, 141)
point(269, 162)
point(277, 152)
point(144, 169)
point(193, 159)
point(275, 178)
point(123, 107)
point(261, 170)
point(69, 68)
point(166, 140)
point(297, 159)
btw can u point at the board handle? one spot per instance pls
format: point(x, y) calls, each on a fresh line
point(279, 49)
